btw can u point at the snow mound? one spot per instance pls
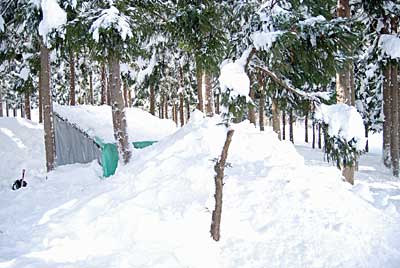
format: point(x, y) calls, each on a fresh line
point(97, 122)
point(156, 211)
point(22, 147)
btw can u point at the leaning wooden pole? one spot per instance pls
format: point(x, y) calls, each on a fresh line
point(219, 169)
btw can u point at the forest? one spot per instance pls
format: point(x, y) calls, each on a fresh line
point(186, 133)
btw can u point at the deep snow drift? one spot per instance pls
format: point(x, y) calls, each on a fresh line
point(156, 211)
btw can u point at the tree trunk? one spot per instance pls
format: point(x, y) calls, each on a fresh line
point(15, 111)
point(181, 109)
point(219, 184)
point(166, 107)
point(91, 97)
point(7, 109)
point(366, 136)
point(152, 100)
point(394, 142)
point(313, 134)
point(125, 94)
point(71, 78)
point(291, 126)
point(217, 101)
point(130, 101)
point(174, 113)
point(162, 107)
point(261, 110)
point(387, 114)
point(209, 94)
point(47, 107)
point(199, 77)
point(109, 86)
point(283, 125)
point(187, 109)
point(1, 104)
point(28, 106)
point(252, 113)
point(348, 174)
point(21, 107)
point(306, 127)
point(103, 98)
point(275, 118)
point(118, 111)
point(319, 136)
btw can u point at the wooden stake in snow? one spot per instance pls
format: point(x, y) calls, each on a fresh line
point(219, 169)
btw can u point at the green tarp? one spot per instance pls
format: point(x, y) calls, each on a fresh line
point(109, 155)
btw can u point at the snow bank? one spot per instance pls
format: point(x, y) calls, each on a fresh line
point(390, 45)
point(97, 122)
point(21, 147)
point(343, 121)
point(156, 211)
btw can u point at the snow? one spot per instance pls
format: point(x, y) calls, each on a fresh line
point(53, 17)
point(24, 73)
point(390, 45)
point(156, 211)
point(1, 24)
point(110, 18)
point(96, 121)
point(234, 78)
point(343, 121)
point(313, 20)
point(264, 40)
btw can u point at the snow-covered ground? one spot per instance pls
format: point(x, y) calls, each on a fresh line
point(279, 210)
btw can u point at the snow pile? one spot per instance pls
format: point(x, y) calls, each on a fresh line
point(111, 18)
point(21, 147)
point(390, 45)
point(96, 121)
point(343, 121)
point(53, 17)
point(264, 40)
point(156, 211)
point(233, 77)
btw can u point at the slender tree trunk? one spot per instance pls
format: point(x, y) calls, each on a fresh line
point(313, 134)
point(109, 86)
point(91, 97)
point(72, 78)
point(1, 103)
point(47, 107)
point(275, 118)
point(118, 111)
point(125, 86)
point(162, 107)
point(387, 115)
point(209, 94)
point(130, 101)
point(217, 101)
point(366, 136)
point(21, 107)
point(174, 113)
point(261, 110)
point(394, 143)
point(152, 100)
point(219, 184)
point(306, 127)
point(28, 106)
point(181, 109)
point(199, 77)
point(166, 107)
point(283, 125)
point(103, 98)
point(291, 126)
point(7, 109)
point(160, 111)
point(15, 111)
point(252, 113)
point(319, 136)
point(187, 109)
